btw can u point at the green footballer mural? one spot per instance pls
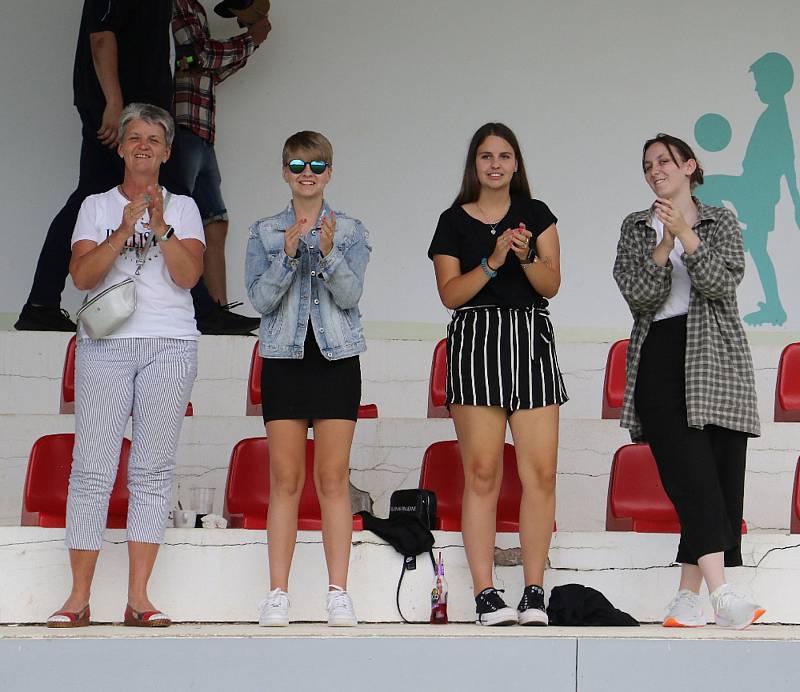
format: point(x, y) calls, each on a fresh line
point(756, 192)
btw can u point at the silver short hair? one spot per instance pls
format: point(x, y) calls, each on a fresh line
point(150, 114)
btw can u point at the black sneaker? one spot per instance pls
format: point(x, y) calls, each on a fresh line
point(531, 607)
point(44, 319)
point(221, 321)
point(491, 609)
point(252, 322)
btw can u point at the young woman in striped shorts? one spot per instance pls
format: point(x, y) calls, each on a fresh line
point(496, 256)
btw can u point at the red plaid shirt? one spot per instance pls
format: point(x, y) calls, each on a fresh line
point(214, 61)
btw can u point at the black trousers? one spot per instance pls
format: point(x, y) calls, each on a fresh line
point(100, 169)
point(702, 470)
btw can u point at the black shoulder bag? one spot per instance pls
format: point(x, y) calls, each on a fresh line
point(412, 515)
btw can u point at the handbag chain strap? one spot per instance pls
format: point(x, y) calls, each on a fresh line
point(406, 559)
point(141, 255)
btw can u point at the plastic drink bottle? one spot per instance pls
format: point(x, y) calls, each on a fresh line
point(439, 596)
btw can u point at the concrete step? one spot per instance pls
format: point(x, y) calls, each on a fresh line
point(219, 575)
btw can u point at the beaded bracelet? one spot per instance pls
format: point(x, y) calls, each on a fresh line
point(491, 273)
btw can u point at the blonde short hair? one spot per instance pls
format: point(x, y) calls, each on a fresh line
point(315, 143)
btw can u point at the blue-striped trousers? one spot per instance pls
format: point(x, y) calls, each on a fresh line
point(150, 379)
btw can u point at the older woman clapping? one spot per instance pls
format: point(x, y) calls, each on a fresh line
point(145, 367)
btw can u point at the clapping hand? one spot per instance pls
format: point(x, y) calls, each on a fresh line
point(291, 238)
point(155, 205)
point(672, 218)
point(520, 242)
point(498, 258)
point(132, 213)
point(327, 231)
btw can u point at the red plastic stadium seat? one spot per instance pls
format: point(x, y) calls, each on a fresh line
point(68, 380)
point(44, 501)
point(614, 385)
point(787, 386)
point(254, 384)
point(636, 499)
point(794, 522)
point(68, 383)
point(253, 406)
point(437, 385)
point(247, 489)
point(442, 472)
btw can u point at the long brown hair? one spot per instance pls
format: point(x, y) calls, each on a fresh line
point(470, 186)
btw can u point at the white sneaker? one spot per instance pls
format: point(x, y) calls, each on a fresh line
point(684, 611)
point(274, 609)
point(732, 610)
point(340, 608)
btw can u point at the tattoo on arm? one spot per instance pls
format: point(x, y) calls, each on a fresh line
point(547, 261)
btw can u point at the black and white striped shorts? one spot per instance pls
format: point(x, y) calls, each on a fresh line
point(503, 357)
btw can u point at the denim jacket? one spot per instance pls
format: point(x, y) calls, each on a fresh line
point(289, 290)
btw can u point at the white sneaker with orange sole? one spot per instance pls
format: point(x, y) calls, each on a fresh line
point(732, 610)
point(685, 611)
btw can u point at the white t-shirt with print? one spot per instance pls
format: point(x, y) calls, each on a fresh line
point(677, 303)
point(163, 309)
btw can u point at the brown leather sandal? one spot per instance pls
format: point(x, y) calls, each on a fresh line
point(147, 618)
point(66, 618)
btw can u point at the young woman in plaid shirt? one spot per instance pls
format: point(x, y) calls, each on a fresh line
point(690, 386)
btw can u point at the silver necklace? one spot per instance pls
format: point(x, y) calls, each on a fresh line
point(492, 226)
point(147, 198)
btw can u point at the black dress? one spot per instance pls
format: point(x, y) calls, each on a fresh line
point(312, 387)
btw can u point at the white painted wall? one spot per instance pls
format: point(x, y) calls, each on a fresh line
point(399, 87)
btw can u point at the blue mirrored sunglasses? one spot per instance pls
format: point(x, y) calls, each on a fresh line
point(298, 166)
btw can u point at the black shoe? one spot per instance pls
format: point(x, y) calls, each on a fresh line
point(531, 607)
point(491, 609)
point(222, 321)
point(252, 323)
point(44, 319)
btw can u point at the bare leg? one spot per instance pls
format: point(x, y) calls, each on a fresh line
point(214, 261)
point(332, 442)
point(141, 558)
point(83, 563)
point(481, 434)
point(287, 474)
point(691, 578)
point(713, 568)
point(535, 433)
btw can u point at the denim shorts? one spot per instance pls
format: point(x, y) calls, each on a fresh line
point(200, 174)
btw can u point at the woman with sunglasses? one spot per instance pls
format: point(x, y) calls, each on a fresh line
point(496, 257)
point(305, 274)
point(690, 388)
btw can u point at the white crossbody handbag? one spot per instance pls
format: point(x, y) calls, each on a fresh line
point(111, 308)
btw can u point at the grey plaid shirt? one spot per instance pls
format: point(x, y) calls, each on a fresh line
point(720, 384)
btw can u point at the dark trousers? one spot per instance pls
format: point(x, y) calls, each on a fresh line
point(702, 470)
point(100, 169)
